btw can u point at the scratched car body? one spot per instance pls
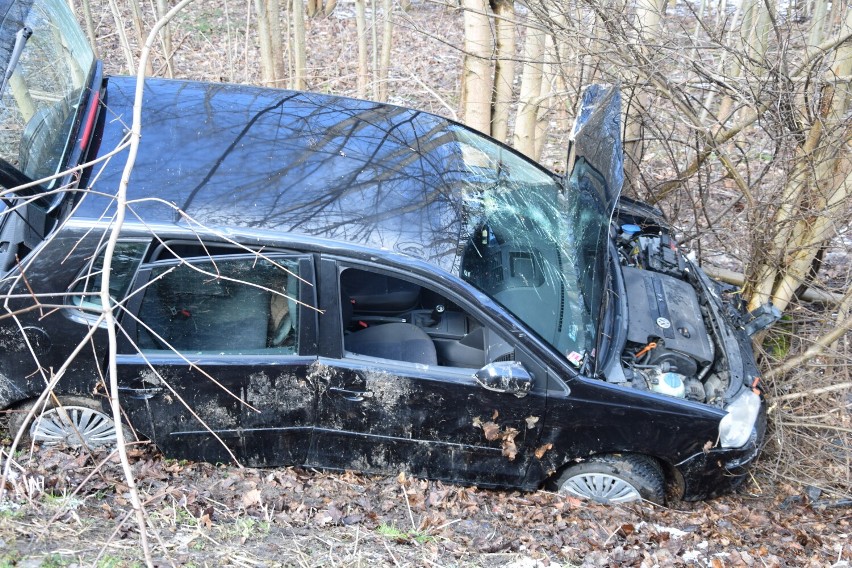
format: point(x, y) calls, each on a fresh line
point(315, 280)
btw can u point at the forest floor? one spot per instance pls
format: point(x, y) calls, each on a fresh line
point(206, 515)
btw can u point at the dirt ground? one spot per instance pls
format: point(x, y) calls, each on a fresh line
point(207, 515)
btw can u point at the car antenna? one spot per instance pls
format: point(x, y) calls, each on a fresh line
point(20, 41)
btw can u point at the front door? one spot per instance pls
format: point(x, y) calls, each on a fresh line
point(217, 358)
point(418, 407)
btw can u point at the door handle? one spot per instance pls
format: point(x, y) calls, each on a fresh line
point(353, 395)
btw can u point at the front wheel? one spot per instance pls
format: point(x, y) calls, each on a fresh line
point(75, 422)
point(614, 479)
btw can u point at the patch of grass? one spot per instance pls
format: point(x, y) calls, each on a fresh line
point(393, 533)
point(777, 342)
point(9, 559)
point(61, 500)
point(55, 561)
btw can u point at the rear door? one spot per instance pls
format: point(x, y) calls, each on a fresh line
point(216, 360)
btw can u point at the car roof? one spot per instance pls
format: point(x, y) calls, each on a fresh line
point(353, 171)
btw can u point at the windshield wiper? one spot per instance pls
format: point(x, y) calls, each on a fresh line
point(20, 42)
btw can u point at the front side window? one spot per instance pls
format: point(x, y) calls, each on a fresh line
point(222, 305)
point(394, 318)
point(45, 87)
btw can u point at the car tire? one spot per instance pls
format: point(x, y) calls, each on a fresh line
point(614, 479)
point(52, 427)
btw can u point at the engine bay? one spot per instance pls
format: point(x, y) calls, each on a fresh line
point(672, 346)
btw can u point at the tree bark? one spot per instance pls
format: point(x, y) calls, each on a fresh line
point(299, 56)
point(363, 55)
point(267, 65)
point(649, 17)
point(165, 38)
point(387, 43)
point(476, 73)
point(504, 67)
point(273, 18)
point(122, 36)
point(528, 100)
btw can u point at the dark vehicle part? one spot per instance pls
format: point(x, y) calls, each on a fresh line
point(75, 421)
point(761, 318)
point(614, 479)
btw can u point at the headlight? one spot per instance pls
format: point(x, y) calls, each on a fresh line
point(735, 428)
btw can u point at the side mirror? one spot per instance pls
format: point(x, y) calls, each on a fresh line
point(509, 377)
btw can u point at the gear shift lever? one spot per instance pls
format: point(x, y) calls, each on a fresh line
point(437, 312)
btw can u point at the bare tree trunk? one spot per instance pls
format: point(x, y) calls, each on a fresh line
point(313, 7)
point(747, 7)
point(387, 43)
point(363, 63)
point(504, 67)
point(816, 35)
point(649, 16)
point(136, 16)
point(329, 7)
point(299, 56)
point(267, 65)
point(122, 36)
point(545, 96)
point(476, 73)
point(528, 100)
point(273, 17)
point(375, 37)
point(820, 184)
point(166, 38)
point(89, 23)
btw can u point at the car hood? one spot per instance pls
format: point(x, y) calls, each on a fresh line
point(233, 155)
point(596, 154)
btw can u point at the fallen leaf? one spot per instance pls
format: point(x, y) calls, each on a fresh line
point(495, 414)
point(541, 450)
point(477, 422)
point(531, 421)
point(510, 450)
point(491, 431)
point(251, 498)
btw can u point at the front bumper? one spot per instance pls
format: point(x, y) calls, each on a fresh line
point(719, 471)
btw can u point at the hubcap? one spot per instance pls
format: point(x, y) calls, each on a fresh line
point(95, 428)
point(601, 487)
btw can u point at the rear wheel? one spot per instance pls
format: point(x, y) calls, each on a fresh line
point(614, 479)
point(78, 421)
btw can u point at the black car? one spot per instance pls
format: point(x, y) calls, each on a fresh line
point(315, 280)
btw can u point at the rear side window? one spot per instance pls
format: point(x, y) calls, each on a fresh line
point(226, 305)
point(125, 261)
point(45, 86)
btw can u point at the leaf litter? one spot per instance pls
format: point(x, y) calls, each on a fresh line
point(224, 515)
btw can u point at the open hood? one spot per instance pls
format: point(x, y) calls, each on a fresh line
point(596, 155)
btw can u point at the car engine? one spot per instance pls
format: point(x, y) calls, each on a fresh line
point(671, 344)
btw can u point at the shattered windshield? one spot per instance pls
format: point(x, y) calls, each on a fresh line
point(45, 61)
point(532, 246)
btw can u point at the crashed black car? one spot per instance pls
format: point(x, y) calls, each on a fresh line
point(315, 280)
